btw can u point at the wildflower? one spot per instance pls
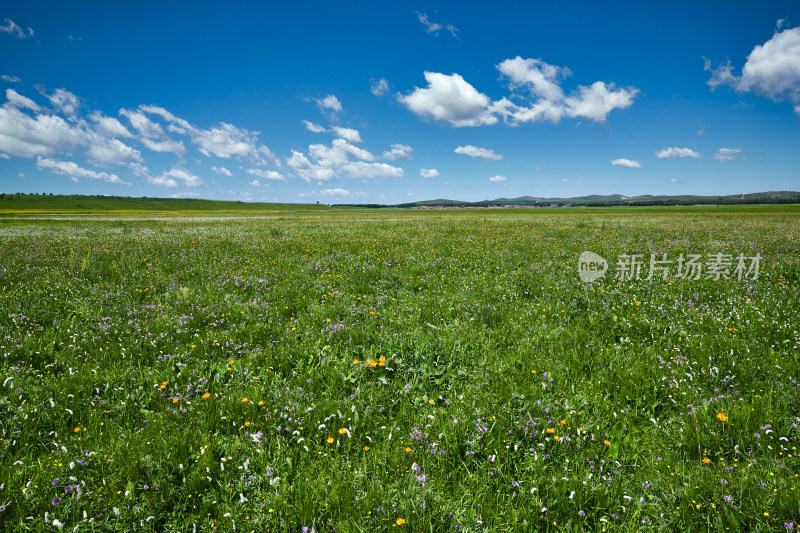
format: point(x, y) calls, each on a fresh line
point(206, 396)
point(556, 437)
point(366, 448)
point(415, 467)
point(261, 402)
point(722, 417)
point(551, 430)
point(247, 424)
point(77, 430)
point(245, 400)
point(356, 361)
point(382, 361)
point(430, 401)
point(563, 421)
point(728, 498)
point(163, 384)
point(408, 450)
point(400, 522)
point(54, 482)
point(229, 362)
point(372, 363)
point(342, 431)
point(330, 440)
point(581, 513)
point(174, 400)
point(56, 500)
point(789, 526)
point(607, 442)
point(706, 460)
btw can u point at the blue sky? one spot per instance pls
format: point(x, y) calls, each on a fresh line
point(392, 102)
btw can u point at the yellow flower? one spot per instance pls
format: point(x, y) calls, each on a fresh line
point(342, 431)
point(261, 402)
point(174, 400)
point(722, 417)
point(206, 396)
point(356, 361)
point(247, 424)
point(372, 363)
point(706, 460)
point(400, 522)
point(163, 384)
point(563, 421)
point(408, 450)
point(77, 430)
point(382, 361)
point(229, 362)
point(430, 401)
point(366, 448)
point(330, 440)
point(556, 437)
point(607, 442)
point(551, 430)
point(245, 400)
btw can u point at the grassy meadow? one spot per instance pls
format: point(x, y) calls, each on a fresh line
point(417, 371)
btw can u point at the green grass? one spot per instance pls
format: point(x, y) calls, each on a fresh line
point(441, 353)
point(42, 204)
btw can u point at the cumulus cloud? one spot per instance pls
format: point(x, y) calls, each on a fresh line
point(222, 170)
point(726, 154)
point(68, 168)
point(316, 128)
point(146, 127)
point(398, 151)
point(332, 193)
point(165, 145)
point(627, 163)
point(676, 152)
point(109, 126)
point(772, 69)
point(533, 82)
point(225, 141)
point(329, 103)
point(64, 102)
point(379, 87)
point(25, 136)
point(12, 28)
point(428, 173)
point(23, 102)
point(349, 134)
point(174, 177)
point(255, 183)
point(474, 151)
point(450, 99)
point(11, 79)
point(265, 174)
point(325, 163)
point(105, 151)
point(497, 179)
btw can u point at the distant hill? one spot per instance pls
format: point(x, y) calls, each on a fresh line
point(45, 203)
point(612, 200)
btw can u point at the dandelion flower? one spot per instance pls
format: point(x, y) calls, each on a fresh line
point(722, 417)
point(206, 396)
point(706, 460)
point(551, 430)
point(431, 401)
point(163, 384)
point(174, 400)
point(261, 402)
point(77, 430)
point(408, 450)
point(342, 431)
point(356, 361)
point(607, 442)
point(400, 522)
point(366, 448)
point(330, 440)
point(245, 400)
point(556, 437)
point(247, 424)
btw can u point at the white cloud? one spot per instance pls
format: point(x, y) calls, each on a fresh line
point(11, 79)
point(174, 177)
point(4, 156)
point(335, 192)
point(185, 195)
point(379, 87)
point(329, 103)
point(265, 174)
point(25, 136)
point(225, 141)
point(255, 183)
point(146, 127)
point(676, 152)
point(627, 163)
point(430, 27)
point(106, 151)
point(360, 169)
point(64, 101)
point(12, 28)
point(348, 134)
point(68, 168)
point(316, 128)
point(109, 126)
point(23, 102)
point(772, 69)
point(169, 117)
point(450, 99)
point(497, 179)
point(222, 170)
point(428, 173)
point(398, 151)
point(166, 145)
point(726, 154)
point(474, 151)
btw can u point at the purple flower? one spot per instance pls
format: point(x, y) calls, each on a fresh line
point(728, 498)
point(647, 485)
point(415, 467)
point(723, 481)
point(2, 508)
point(789, 526)
point(54, 482)
point(422, 479)
point(756, 435)
point(56, 500)
point(581, 513)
